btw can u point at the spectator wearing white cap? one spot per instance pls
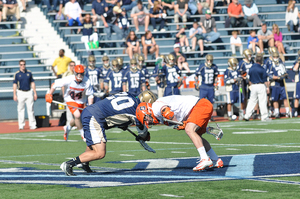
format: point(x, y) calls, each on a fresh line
point(180, 58)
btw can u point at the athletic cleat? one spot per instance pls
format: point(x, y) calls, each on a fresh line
point(66, 133)
point(67, 168)
point(218, 163)
point(86, 167)
point(203, 164)
point(277, 116)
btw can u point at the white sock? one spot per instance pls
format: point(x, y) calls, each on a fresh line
point(276, 111)
point(287, 109)
point(229, 113)
point(81, 132)
point(202, 153)
point(213, 156)
point(69, 127)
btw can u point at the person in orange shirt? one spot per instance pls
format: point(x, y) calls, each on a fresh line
point(236, 14)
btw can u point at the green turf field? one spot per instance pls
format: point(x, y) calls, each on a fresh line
point(45, 151)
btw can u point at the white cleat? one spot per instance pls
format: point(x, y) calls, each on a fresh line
point(66, 133)
point(203, 164)
point(218, 163)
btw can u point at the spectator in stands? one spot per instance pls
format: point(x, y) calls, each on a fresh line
point(181, 61)
point(124, 23)
point(23, 86)
point(111, 23)
point(150, 4)
point(1, 6)
point(266, 38)
point(149, 45)
point(62, 64)
point(61, 12)
point(73, 12)
point(49, 6)
point(167, 5)
point(157, 16)
point(252, 42)
point(10, 7)
point(181, 10)
point(140, 15)
point(133, 44)
point(292, 16)
point(89, 37)
point(196, 36)
point(251, 11)
point(236, 43)
point(128, 4)
point(208, 24)
point(278, 41)
point(99, 7)
point(205, 4)
point(235, 12)
point(183, 40)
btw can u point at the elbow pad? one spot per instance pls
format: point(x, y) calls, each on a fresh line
point(167, 113)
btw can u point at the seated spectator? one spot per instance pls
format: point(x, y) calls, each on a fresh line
point(128, 4)
point(180, 58)
point(236, 42)
point(99, 7)
point(208, 24)
point(133, 44)
point(236, 15)
point(140, 15)
point(182, 40)
point(278, 41)
point(49, 6)
point(89, 37)
point(205, 4)
point(253, 42)
point(124, 23)
point(111, 23)
point(10, 7)
point(181, 10)
point(292, 16)
point(157, 16)
point(24, 5)
point(196, 35)
point(251, 11)
point(112, 3)
point(266, 38)
point(61, 11)
point(150, 4)
point(149, 45)
point(167, 5)
point(1, 6)
point(73, 12)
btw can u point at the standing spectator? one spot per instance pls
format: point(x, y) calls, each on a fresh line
point(196, 35)
point(133, 44)
point(181, 10)
point(167, 5)
point(89, 37)
point(124, 23)
point(205, 4)
point(259, 86)
point(251, 12)
point(157, 16)
point(73, 12)
point(292, 16)
point(182, 40)
point(10, 7)
point(111, 23)
point(252, 42)
point(278, 41)
point(235, 12)
point(180, 57)
point(128, 4)
point(99, 7)
point(140, 15)
point(62, 64)
point(208, 24)
point(149, 45)
point(236, 43)
point(266, 38)
point(23, 85)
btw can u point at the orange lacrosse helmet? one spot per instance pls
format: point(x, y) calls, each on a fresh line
point(79, 72)
point(145, 115)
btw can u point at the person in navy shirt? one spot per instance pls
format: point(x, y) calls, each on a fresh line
point(159, 75)
point(114, 78)
point(99, 7)
point(207, 73)
point(143, 68)
point(157, 16)
point(111, 23)
point(259, 86)
point(23, 86)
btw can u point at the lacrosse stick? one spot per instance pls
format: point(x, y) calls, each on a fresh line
point(216, 132)
point(57, 102)
point(142, 142)
point(287, 98)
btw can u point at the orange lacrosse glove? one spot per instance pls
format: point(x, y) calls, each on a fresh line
point(49, 98)
point(181, 127)
point(167, 113)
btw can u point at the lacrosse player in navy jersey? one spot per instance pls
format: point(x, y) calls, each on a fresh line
point(297, 90)
point(114, 111)
point(142, 67)
point(172, 74)
point(206, 74)
point(232, 80)
point(159, 75)
point(133, 79)
point(94, 74)
point(105, 69)
point(114, 78)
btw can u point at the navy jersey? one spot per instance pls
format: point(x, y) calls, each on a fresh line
point(244, 66)
point(172, 75)
point(104, 71)
point(257, 74)
point(160, 73)
point(118, 110)
point(207, 75)
point(93, 75)
point(229, 75)
point(269, 63)
point(277, 70)
point(116, 80)
point(23, 80)
point(145, 72)
point(134, 80)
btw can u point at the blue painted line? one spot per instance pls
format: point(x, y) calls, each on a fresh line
point(241, 165)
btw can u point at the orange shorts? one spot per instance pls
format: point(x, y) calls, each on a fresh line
point(201, 114)
point(73, 106)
